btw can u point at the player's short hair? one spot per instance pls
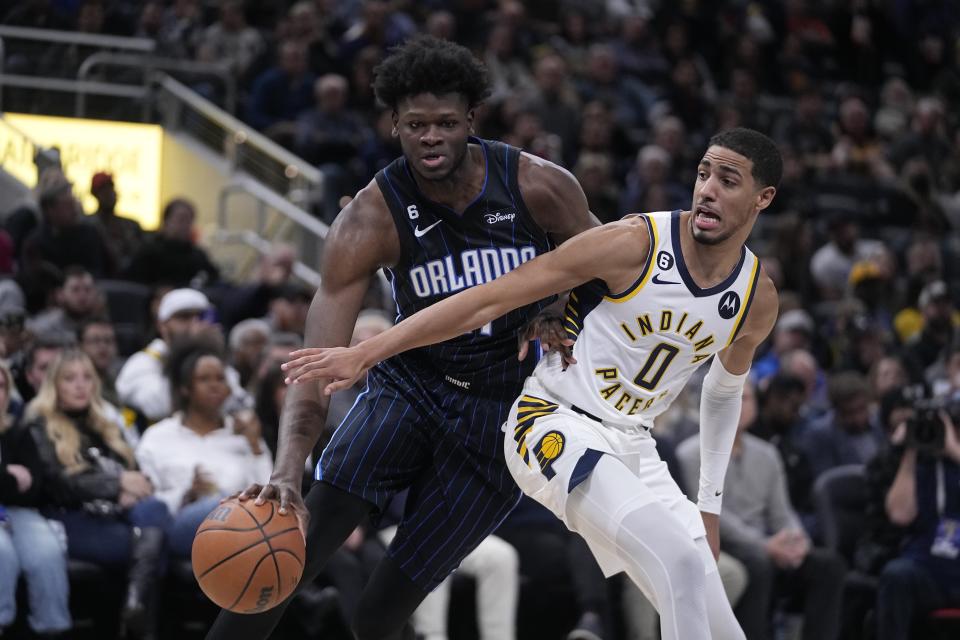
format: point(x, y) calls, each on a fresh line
point(425, 64)
point(758, 148)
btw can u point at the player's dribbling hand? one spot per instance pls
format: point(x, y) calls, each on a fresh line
point(287, 494)
point(343, 366)
point(548, 329)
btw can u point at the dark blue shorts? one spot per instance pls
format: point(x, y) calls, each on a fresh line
point(412, 429)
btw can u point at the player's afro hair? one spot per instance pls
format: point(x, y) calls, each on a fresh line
point(425, 64)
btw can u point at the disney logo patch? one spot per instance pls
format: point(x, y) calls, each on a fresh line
point(499, 216)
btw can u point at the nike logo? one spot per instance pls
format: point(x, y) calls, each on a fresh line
point(657, 280)
point(418, 232)
point(718, 493)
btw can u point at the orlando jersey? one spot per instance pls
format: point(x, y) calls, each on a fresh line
point(636, 350)
point(443, 252)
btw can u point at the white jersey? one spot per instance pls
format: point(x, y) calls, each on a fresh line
point(636, 350)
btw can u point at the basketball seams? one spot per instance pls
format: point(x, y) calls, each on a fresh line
point(295, 557)
point(250, 578)
point(247, 548)
point(272, 551)
point(276, 565)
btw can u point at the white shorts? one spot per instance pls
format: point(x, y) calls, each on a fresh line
point(551, 449)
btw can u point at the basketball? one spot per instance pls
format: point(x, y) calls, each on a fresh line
point(248, 558)
point(552, 445)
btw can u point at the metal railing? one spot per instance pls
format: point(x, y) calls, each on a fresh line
point(78, 38)
point(284, 187)
point(149, 65)
point(245, 148)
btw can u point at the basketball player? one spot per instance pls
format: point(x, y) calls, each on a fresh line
point(453, 212)
point(654, 297)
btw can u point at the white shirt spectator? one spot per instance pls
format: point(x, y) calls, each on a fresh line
point(143, 384)
point(170, 453)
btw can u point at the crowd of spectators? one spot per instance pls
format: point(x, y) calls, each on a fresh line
point(863, 97)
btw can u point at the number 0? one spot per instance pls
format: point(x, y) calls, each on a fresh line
point(644, 379)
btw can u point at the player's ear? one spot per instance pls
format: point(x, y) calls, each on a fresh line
point(396, 119)
point(471, 114)
point(765, 197)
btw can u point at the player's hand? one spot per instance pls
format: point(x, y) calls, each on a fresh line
point(343, 366)
point(287, 494)
point(548, 329)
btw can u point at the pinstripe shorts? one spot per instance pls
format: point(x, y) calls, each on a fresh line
point(412, 429)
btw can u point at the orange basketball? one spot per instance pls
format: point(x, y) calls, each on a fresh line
point(248, 558)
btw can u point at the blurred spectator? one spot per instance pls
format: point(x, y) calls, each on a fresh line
point(857, 149)
point(43, 351)
point(248, 344)
point(171, 257)
point(832, 263)
point(377, 26)
point(628, 98)
point(803, 129)
point(919, 492)
point(779, 422)
point(230, 40)
point(506, 67)
point(89, 476)
point(61, 238)
point(329, 135)
point(97, 338)
point(652, 170)
point(77, 300)
point(594, 172)
point(638, 50)
point(253, 300)
point(801, 364)
point(280, 94)
point(142, 382)
point(29, 545)
point(382, 147)
point(441, 24)
point(180, 29)
point(926, 139)
point(794, 330)
point(307, 26)
point(198, 456)
point(887, 374)
point(554, 100)
point(926, 348)
point(288, 308)
point(847, 434)
point(122, 236)
point(760, 528)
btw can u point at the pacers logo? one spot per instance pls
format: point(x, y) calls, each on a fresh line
point(729, 305)
point(547, 450)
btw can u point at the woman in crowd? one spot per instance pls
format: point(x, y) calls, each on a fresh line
point(29, 545)
point(90, 483)
point(199, 455)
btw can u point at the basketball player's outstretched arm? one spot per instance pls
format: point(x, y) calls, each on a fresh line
point(361, 240)
point(614, 253)
point(720, 401)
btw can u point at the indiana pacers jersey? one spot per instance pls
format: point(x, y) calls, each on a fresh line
point(444, 252)
point(636, 350)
